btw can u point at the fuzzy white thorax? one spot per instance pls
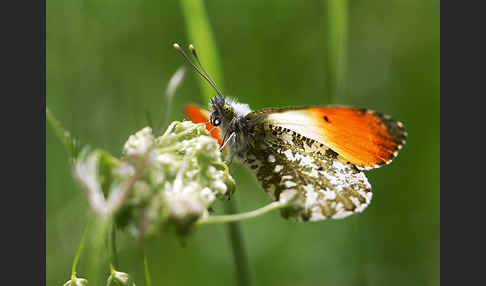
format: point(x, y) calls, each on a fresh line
point(241, 109)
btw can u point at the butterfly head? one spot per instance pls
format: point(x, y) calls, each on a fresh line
point(223, 111)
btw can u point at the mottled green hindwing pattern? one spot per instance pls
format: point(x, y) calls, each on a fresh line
point(285, 162)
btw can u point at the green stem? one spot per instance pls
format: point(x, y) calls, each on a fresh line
point(238, 248)
point(148, 117)
point(148, 282)
point(114, 255)
point(80, 249)
point(98, 249)
point(242, 216)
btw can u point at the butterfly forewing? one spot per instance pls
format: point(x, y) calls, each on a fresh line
point(363, 137)
point(201, 115)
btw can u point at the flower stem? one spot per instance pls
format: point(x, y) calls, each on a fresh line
point(242, 216)
point(80, 249)
point(114, 255)
point(98, 249)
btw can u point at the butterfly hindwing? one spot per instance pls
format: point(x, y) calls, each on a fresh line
point(325, 187)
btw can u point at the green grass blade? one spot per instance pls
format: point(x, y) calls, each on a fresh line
point(70, 144)
point(337, 34)
point(148, 280)
point(201, 36)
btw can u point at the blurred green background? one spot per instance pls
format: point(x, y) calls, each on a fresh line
point(107, 62)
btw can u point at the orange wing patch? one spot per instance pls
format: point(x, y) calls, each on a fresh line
point(201, 115)
point(363, 137)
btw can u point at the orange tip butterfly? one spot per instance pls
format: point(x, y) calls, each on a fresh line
point(318, 152)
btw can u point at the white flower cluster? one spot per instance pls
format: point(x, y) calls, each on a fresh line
point(160, 182)
point(170, 180)
point(186, 166)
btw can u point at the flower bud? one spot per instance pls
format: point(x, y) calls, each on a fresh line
point(75, 281)
point(118, 278)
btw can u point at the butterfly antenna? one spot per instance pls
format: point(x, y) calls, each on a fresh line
point(193, 51)
point(204, 75)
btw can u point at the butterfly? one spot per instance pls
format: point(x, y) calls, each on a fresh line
point(316, 153)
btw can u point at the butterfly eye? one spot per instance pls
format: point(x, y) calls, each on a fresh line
point(227, 111)
point(216, 122)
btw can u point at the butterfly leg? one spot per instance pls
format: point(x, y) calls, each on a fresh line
point(226, 141)
point(230, 161)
